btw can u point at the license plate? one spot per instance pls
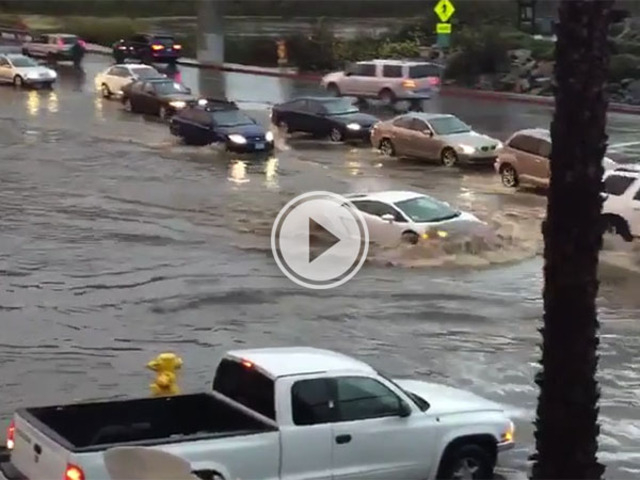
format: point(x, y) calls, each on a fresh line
point(259, 146)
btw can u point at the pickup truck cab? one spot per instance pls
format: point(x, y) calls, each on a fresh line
point(277, 413)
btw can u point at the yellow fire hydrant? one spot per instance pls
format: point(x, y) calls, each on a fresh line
point(166, 366)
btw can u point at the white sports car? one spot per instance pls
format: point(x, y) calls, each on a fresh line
point(394, 216)
point(21, 70)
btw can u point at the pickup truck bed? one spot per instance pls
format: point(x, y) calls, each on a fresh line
point(148, 421)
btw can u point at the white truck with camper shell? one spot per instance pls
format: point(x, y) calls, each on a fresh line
point(275, 413)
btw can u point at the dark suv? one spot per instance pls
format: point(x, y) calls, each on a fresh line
point(148, 47)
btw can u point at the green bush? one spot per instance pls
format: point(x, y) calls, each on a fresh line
point(542, 49)
point(626, 47)
point(624, 66)
point(103, 31)
point(479, 51)
point(406, 49)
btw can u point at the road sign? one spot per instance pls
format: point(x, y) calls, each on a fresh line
point(444, 10)
point(444, 40)
point(443, 28)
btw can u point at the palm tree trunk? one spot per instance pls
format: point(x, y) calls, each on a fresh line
point(567, 415)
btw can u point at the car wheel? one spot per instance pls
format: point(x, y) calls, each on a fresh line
point(336, 135)
point(412, 238)
point(449, 157)
point(386, 148)
point(18, 82)
point(333, 90)
point(387, 97)
point(509, 176)
point(284, 127)
point(128, 106)
point(467, 462)
point(25, 52)
point(106, 93)
point(162, 112)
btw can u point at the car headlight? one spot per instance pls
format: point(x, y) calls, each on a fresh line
point(235, 138)
point(178, 104)
point(354, 126)
point(202, 102)
point(269, 136)
point(467, 149)
point(499, 145)
point(509, 433)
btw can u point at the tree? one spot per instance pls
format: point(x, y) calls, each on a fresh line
point(567, 426)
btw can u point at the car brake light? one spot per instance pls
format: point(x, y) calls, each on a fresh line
point(11, 434)
point(409, 84)
point(156, 47)
point(247, 363)
point(433, 80)
point(82, 43)
point(177, 47)
point(60, 43)
point(72, 472)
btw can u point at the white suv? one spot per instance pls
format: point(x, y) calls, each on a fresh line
point(621, 205)
point(386, 80)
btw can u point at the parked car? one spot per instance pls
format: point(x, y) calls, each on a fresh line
point(337, 118)
point(160, 96)
point(434, 136)
point(403, 216)
point(276, 413)
point(52, 46)
point(113, 79)
point(220, 121)
point(148, 47)
point(524, 160)
point(20, 71)
point(386, 80)
point(621, 207)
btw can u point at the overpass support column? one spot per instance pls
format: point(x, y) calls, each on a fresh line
point(210, 31)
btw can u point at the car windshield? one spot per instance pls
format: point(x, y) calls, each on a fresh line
point(340, 107)
point(21, 62)
point(449, 125)
point(427, 209)
point(167, 88)
point(69, 40)
point(232, 118)
point(146, 73)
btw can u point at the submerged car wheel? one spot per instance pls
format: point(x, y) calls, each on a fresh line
point(106, 93)
point(284, 127)
point(509, 176)
point(387, 97)
point(18, 82)
point(411, 238)
point(468, 462)
point(336, 135)
point(162, 112)
point(128, 106)
point(449, 157)
point(386, 148)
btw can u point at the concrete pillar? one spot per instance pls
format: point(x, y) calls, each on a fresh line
point(210, 31)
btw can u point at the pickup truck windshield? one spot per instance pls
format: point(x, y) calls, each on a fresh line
point(247, 386)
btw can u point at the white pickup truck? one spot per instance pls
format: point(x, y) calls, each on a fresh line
point(278, 413)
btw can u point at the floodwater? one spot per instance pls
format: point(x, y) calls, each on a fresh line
point(117, 244)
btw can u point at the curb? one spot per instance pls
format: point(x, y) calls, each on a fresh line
point(448, 91)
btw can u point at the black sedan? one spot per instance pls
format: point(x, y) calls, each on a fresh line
point(221, 121)
point(158, 96)
point(336, 118)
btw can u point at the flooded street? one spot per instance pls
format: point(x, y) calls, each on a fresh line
point(117, 244)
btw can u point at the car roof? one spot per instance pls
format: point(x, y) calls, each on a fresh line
point(540, 133)
point(426, 116)
point(157, 34)
point(134, 65)
point(629, 170)
point(387, 196)
point(285, 361)
point(408, 62)
point(70, 35)
point(13, 55)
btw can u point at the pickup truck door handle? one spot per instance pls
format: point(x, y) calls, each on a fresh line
point(342, 439)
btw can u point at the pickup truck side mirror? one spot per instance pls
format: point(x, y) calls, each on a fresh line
point(404, 410)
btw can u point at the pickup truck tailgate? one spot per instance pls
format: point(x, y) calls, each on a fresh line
point(36, 456)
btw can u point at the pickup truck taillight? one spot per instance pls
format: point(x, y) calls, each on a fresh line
point(11, 434)
point(156, 47)
point(73, 472)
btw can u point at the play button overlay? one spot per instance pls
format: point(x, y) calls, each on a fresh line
point(319, 240)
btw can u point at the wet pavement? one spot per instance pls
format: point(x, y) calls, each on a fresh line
point(117, 244)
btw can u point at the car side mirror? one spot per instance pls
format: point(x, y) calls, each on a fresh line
point(404, 409)
point(387, 217)
point(428, 133)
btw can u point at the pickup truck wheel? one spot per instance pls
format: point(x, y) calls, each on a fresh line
point(104, 88)
point(468, 462)
point(509, 176)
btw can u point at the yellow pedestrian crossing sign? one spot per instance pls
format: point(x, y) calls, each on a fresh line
point(444, 10)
